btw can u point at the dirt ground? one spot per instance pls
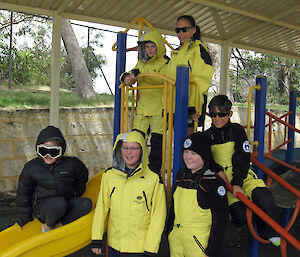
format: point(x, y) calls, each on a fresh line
point(234, 245)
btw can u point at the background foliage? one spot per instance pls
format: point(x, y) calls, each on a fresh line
point(31, 59)
point(283, 75)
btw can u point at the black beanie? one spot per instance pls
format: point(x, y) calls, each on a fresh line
point(199, 143)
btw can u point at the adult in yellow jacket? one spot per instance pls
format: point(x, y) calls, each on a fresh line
point(152, 58)
point(193, 53)
point(132, 198)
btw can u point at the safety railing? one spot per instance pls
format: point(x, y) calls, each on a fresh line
point(268, 155)
point(285, 236)
point(257, 87)
point(272, 119)
point(168, 95)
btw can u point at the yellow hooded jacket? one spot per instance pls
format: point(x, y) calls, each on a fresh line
point(150, 100)
point(193, 54)
point(135, 204)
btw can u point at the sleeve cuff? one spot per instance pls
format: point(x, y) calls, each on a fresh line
point(135, 72)
point(97, 244)
point(123, 76)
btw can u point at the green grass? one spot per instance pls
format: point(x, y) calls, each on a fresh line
point(39, 97)
point(23, 98)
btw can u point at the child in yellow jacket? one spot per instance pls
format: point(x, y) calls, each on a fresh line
point(152, 58)
point(132, 197)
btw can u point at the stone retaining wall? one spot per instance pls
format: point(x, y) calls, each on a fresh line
point(88, 132)
point(89, 135)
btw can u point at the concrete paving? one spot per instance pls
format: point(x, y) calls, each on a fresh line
point(235, 242)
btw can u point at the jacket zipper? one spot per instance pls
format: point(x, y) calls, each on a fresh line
point(146, 200)
point(112, 191)
point(190, 65)
point(199, 244)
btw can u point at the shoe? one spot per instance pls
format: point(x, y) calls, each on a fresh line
point(45, 229)
point(275, 240)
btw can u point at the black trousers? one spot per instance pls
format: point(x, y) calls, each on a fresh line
point(264, 199)
point(58, 209)
point(119, 254)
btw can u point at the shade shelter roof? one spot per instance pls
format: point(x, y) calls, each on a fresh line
point(269, 26)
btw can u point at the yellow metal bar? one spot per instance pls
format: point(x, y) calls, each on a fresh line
point(132, 108)
point(126, 110)
point(164, 146)
point(195, 84)
point(257, 87)
point(170, 139)
point(141, 22)
point(156, 75)
point(122, 86)
point(167, 149)
point(140, 27)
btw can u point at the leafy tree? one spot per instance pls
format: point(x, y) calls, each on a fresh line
point(32, 60)
point(282, 75)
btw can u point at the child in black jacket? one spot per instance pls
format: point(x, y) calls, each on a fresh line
point(51, 184)
point(231, 150)
point(199, 211)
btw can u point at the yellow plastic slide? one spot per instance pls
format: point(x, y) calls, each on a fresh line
point(31, 241)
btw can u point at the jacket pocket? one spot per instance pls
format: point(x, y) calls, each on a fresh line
point(199, 244)
point(146, 201)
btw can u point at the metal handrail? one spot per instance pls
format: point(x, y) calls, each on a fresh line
point(141, 22)
point(258, 87)
point(168, 100)
point(253, 207)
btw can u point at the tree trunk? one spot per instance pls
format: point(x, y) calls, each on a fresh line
point(83, 81)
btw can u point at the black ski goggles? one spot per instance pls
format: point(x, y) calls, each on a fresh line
point(183, 29)
point(54, 151)
point(220, 114)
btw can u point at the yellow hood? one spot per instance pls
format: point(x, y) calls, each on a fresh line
point(130, 137)
point(154, 37)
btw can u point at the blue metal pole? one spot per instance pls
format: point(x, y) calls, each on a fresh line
point(259, 135)
point(289, 156)
point(120, 68)
point(180, 118)
point(259, 122)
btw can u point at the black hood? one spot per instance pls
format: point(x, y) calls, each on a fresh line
point(52, 133)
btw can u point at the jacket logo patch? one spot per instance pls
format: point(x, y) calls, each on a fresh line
point(246, 147)
point(187, 143)
point(139, 200)
point(221, 191)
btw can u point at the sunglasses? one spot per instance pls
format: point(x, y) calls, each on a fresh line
point(54, 151)
point(183, 29)
point(220, 114)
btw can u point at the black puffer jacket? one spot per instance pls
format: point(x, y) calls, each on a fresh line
point(38, 181)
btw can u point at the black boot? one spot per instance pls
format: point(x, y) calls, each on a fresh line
point(155, 157)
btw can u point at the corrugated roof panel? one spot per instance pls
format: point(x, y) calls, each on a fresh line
point(235, 21)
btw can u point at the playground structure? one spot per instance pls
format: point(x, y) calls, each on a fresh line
point(258, 155)
point(34, 243)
